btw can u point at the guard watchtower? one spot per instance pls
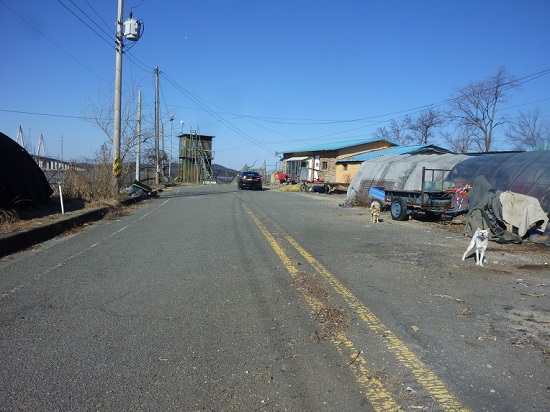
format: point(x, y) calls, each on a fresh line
point(196, 155)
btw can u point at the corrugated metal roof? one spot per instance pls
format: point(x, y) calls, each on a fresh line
point(335, 145)
point(397, 150)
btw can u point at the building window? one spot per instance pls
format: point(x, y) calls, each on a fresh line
point(345, 168)
point(324, 166)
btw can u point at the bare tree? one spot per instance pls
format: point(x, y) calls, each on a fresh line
point(422, 127)
point(460, 143)
point(398, 132)
point(411, 131)
point(101, 114)
point(528, 132)
point(474, 108)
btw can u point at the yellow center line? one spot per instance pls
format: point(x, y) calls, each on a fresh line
point(379, 398)
point(428, 379)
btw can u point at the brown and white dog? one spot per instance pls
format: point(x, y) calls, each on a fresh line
point(374, 212)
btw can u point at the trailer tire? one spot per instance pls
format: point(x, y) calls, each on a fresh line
point(399, 210)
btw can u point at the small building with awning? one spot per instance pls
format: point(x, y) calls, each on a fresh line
point(320, 162)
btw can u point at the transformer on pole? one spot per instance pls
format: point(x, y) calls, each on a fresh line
point(132, 30)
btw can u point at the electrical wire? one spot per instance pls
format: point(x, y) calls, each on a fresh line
point(216, 116)
point(377, 119)
point(138, 63)
point(66, 116)
point(98, 16)
point(109, 42)
point(53, 42)
point(107, 32)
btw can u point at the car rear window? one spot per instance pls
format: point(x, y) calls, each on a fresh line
point(250, 174)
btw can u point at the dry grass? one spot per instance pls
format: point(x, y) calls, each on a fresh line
point(465, 313)
point(91, 185)
point(330, 319)
point(82, 189)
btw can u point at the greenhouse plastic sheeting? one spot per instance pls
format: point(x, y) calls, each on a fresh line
point(526, 173)
point(21, 180)
point(399, 172)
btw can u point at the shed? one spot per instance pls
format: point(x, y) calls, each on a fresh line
point(320, 161)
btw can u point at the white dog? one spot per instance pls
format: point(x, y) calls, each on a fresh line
point(479, 241)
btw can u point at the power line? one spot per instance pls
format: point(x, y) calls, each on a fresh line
point(53, 42)
point(66, 116)
point(109, 42)
point(97, 14)
point(138, 63)
point(217, 116)
point(377, 118)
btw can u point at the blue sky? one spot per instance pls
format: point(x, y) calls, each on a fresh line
point(262, 76)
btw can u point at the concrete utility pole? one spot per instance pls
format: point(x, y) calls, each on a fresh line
point(117, 165)
point(157, 166)
point(138, 132)
point(170, 164)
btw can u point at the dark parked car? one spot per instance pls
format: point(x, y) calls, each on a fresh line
point(250, 180)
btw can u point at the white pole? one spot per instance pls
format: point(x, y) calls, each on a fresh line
point(61, 198)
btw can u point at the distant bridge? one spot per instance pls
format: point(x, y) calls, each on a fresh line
point(50, 163)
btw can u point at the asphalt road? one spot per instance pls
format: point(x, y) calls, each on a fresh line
point(210, 298)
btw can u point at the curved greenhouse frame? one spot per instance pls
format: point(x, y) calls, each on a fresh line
point(399, 172)
point(527, 173)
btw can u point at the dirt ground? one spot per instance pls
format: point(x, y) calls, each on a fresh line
point(518, 276)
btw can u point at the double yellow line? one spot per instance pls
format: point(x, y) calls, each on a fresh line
point(378, 396)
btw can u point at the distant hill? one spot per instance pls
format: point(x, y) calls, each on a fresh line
point(223, 174)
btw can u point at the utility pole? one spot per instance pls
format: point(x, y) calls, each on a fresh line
point(157, 166)
point(117, 166)
point(138, 131)
point(62, 138)
point(170, 164)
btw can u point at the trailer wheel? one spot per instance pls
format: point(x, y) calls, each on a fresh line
point(399, 209)
point(376, 202)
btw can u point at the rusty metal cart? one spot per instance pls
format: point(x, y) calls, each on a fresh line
point(434, 199)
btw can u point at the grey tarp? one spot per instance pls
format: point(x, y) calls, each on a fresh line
point(485, 212)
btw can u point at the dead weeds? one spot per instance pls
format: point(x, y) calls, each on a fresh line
point(12, 221)
point(330, 319)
